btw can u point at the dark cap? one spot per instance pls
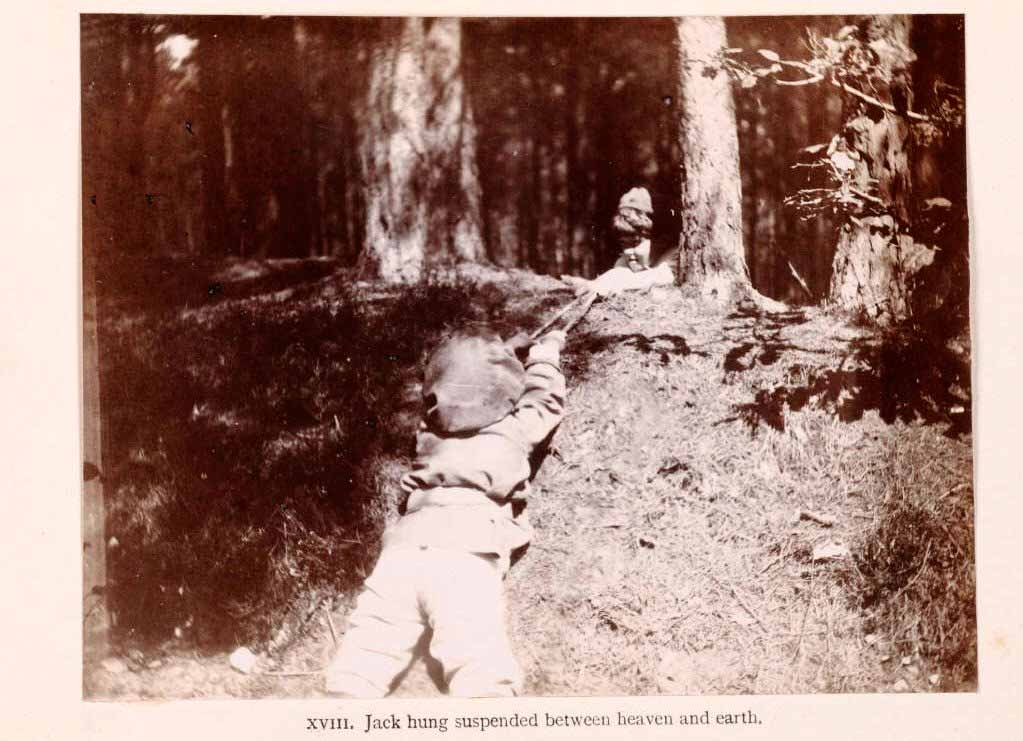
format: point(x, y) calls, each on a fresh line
point(471, 382)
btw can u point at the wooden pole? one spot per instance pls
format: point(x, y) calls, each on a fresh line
point(585, 299)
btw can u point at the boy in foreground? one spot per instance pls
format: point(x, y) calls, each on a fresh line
point(443, 563)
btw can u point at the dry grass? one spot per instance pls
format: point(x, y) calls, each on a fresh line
point(253, 435)
point(708, 465)
point(671, 556)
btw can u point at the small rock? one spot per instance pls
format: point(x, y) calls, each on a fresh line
point(901, 686)
point(136, 655)
point(907, 660)
point(885, 658)
point(870, 639)
point(934, 678)
point(830, 551)
point(114, 665)
point(674, 672)
point(155, 664)
point(243, 660)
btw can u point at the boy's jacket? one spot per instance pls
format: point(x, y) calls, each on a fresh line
point(463, 488)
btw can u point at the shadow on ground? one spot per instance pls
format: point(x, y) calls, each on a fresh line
point(914, 371)
point(250, 436)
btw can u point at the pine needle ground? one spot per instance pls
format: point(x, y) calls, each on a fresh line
point(736, 502)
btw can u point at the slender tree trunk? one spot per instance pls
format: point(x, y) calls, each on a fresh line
point(293, 184)
point(580, 179)
point(531, 203)
point(870, 268)
point(354, 216)
point(210, 133)
point(767, 202)
point(711, 260)
point(117, 100)
point(552, 161)
point(418, 153)
point(793, 240)
point(607, 249)
point(746, 118)
point(243, 186)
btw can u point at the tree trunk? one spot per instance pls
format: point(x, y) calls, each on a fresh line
point(875, 254)
point(119, 54)
point(418, 153)
point(711, 259)
point(767, 200)
point(243, 184)
point(581, 191)
point(210, 132)
point(293, 183)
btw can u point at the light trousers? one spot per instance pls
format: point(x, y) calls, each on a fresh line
point(459, 595)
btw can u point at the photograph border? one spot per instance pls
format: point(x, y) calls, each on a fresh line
point(42, 385)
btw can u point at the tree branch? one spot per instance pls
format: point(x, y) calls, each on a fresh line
point(867, 196)
point(807, 81)
point(874, 101)
point(816, 76)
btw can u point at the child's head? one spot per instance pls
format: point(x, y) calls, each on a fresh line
point(632, 222)
point(471, 380)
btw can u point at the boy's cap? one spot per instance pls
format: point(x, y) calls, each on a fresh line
point(471, 382)
point(637, 198)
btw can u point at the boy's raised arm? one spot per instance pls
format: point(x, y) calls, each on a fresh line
point(542, 404)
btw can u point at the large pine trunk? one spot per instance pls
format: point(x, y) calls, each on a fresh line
point(711, 258)
point(875, 255)
point(418, 152)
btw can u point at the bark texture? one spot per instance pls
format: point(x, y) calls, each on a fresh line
point(876, 257)
point(418, 153)
point(711, 257)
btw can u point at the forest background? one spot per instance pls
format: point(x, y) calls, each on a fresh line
point(252, 137)
point(246, 179)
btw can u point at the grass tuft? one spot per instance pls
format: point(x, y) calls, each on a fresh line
point(916, 564)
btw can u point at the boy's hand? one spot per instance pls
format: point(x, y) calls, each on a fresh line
point(519, 343)
point(555, 337)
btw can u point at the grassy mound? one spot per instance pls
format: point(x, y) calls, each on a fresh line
point(253, 432)
point(749, 503)
point(736, 502)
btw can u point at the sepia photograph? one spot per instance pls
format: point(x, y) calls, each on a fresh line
point(525, 357)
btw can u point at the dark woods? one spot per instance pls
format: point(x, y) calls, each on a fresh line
point(264, 137)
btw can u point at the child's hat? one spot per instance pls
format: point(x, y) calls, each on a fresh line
point(471, 382)
point(637, 198)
